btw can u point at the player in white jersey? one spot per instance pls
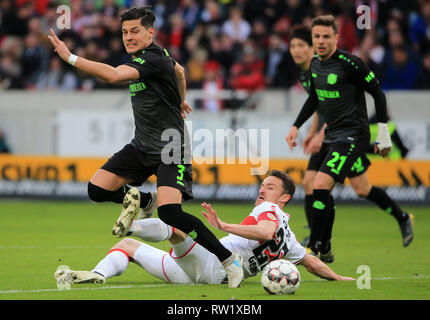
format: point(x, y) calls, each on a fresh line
point(263, 236)
point(257, 253)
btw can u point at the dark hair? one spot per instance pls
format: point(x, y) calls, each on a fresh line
point(302, 32)
point(147, 17)
point(287, 182)
point(327, 20)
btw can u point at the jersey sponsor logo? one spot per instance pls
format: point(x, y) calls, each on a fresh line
point(136, 87)
point(327, 94)
point(332, 78)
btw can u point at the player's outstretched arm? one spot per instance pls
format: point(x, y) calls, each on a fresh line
point(320, 269)
point(264, 230)
point(97, 69)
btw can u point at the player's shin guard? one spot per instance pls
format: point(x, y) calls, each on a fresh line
point(173, 215)
point(320, 218)
point(99, 194)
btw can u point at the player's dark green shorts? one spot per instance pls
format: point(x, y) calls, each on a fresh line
point(138, 166)
point(340, 160)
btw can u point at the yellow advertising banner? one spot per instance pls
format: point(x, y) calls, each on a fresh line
point(51, 168)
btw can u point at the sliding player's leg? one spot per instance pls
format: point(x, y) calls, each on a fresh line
point(170, 211)
point(155, 261)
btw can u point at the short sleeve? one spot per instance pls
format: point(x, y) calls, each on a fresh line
point(265, 211)
point(146, 64)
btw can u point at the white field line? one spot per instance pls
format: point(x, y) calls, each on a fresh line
point(376, 279)
point(5, 247)
point(168, 284)
point(86, 288)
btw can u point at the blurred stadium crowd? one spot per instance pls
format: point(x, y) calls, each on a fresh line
point(239, 44)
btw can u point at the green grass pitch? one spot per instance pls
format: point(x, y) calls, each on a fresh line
point(38, 236)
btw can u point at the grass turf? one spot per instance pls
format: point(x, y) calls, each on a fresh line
point(38, 236)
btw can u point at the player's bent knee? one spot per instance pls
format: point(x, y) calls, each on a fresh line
point(128, 245)
point(308, 181)
point(323, 182)
point(169, 212)
point(95, 193)
point(362, 192)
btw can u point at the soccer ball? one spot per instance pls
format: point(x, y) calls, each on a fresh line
point(280, 277)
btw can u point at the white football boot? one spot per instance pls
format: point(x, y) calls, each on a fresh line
point(72, 276)
point(233, 268)
point(131, 207)
point(149, 209)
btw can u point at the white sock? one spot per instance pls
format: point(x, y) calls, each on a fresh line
point(151, 229)
point(114, 264)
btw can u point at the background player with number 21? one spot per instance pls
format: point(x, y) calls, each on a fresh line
point(338, 81)
point(302, 51)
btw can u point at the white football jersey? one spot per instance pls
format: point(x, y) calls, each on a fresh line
point(257, 254)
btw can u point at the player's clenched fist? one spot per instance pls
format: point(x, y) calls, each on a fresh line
point(60, 46)
point(291, 137)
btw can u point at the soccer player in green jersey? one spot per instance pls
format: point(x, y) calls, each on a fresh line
point(337, 81)
point(157, 90)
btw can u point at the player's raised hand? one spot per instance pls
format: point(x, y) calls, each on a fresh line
point(212, 216)
point(59, 46)
point(185, 109)
point(291, 137)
